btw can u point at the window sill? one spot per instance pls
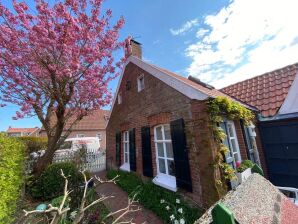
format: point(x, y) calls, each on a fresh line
point(125, 167)
point(166, 181)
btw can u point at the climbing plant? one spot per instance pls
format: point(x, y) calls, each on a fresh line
point(221, 108)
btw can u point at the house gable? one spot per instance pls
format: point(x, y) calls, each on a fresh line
point(290, 104)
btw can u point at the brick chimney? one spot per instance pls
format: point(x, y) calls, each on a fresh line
point(133, 47)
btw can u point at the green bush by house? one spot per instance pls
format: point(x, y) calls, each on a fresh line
point(33, 144)
point(51, 184)
point(150, 196)
point(12, 159)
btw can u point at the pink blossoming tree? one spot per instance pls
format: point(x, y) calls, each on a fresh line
point(56, 63)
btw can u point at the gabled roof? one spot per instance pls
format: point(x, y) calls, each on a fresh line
point(95, 121)
point(19, 130)
point(267, 92)
point(183, 85)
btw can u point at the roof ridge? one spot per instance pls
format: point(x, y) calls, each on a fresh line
point(266, 73)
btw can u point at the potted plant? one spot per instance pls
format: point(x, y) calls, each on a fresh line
point(243, 170)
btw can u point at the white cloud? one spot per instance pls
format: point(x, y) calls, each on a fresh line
point(185, 27)
point(245, 39)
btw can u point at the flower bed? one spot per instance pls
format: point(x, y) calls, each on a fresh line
point(167, 205)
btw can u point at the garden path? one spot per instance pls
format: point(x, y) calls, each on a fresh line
point(120, 201)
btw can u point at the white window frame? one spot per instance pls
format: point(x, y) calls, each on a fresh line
point(163, 141)
point(125, 142)
point(163, 180)
point(98, 135)
point(141, 85)
point(236, 142)
point(80, 136)
point(119, 97)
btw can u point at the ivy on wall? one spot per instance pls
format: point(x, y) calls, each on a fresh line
point(221, 108)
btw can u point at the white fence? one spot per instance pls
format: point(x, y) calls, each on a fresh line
point(92, 160)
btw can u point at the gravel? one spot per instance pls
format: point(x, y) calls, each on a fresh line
point(256, 201)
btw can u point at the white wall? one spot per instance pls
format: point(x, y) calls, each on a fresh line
point(290, 104)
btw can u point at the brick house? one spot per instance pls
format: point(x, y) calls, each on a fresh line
point(93, 125)
point(22, 132)
point(159, 125)
point(275, 95)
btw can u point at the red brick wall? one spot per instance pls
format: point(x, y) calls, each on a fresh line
point(241, 140)
point(261, 151)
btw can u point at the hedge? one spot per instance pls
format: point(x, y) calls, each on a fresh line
point(33, 144)
point(12, 160)
point(150, 196)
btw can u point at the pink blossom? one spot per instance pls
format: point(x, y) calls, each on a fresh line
point(60, 54)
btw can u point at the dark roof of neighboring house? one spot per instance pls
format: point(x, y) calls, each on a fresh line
point(97, 120)
point(266, 92)
point(18, 130)
point(257, 201)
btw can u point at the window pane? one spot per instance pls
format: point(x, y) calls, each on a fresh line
point(236, 157)
point(125, 158)
point(162, 166)
point(167, 132)
point(231, 131)
point(158, 133)
point(160, 149)
point(169, 150)
point(171, 167)
point(233, 144)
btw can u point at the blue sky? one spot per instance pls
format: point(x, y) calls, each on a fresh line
point(221, 42)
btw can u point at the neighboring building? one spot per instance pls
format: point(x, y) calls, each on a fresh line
point(21, 132)
point(159, 128)
point(275, 94)
point(93, 125)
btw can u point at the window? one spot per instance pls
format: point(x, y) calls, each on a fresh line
point(164, 150)
point(119, 98)
point(98, 136)
point(80, 135)
point(250, 137)
point(141, 83)
point(234, 148)
point(126, 146)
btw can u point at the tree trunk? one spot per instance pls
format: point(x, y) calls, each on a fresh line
point(47, 158)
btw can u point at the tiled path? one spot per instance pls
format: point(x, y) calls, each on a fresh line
point(120, 201)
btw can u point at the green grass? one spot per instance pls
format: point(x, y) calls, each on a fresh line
point(149, 195)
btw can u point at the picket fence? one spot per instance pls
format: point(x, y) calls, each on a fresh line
point(92, 160)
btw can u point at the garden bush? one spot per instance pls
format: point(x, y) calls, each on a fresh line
point(12, 160)
point(34, 144)
point(150, 196)
point(51, 184)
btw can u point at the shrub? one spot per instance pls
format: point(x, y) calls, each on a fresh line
point(34, 144)
point(150, 195)
point(51, 184)
point(245, 165)
point(12, 159)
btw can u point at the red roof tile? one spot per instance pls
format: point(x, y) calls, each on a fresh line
point(266, 92)
point(18, 130)
point(95, 121)
point(210, 92)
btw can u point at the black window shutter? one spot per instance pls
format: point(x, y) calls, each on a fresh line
point(180, 150)
point(132, 150)
point(146, 152)
point(118, 148)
